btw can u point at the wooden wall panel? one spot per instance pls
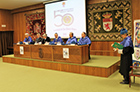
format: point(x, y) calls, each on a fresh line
point(16, 38)
point(95, 1)
point(6, 19)
point(102, 48)
point(0, 20)
point(28, 8)
point(135, 11)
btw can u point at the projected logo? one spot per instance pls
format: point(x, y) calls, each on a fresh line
point(63, 4)
point(65, 20)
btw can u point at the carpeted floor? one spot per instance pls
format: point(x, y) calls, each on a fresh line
point(18, 78)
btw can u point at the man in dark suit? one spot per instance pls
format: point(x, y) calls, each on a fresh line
point(45, 39)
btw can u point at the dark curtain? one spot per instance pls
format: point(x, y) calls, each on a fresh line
point(6, 40)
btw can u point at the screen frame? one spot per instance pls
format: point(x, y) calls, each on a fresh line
point(86, 20)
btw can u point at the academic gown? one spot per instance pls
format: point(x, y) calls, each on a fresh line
point(46, 40)
point(126, 57)
point(85, 41)
point(59, 39)
point(71, 40)
point(29, 39)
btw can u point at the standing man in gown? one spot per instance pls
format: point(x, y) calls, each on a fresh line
point(126, 56)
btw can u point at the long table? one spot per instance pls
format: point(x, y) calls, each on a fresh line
point(57, 53)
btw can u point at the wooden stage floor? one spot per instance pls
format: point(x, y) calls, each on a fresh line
point(102, 66)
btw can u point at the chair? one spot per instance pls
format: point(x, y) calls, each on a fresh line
point(135, 72)
point(10, 49)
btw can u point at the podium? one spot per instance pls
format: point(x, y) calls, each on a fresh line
point(56, 53)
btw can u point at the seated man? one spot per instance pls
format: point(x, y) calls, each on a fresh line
point(85, 41)
point(57, 39)
point(39, 39)
point(45, 39)
point(27, 39)
point(72, 39)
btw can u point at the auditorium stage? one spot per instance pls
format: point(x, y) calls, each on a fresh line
point(102, 66)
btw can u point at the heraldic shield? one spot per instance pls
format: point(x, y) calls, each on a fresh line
point(107, 22)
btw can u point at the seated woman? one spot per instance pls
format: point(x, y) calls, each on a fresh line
point(45, 39)
point(39, 39)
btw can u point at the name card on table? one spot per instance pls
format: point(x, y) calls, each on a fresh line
point(65, 52)
point(21, 50)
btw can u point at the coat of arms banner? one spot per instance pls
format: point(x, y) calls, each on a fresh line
point(105, 20)
point(35, 23)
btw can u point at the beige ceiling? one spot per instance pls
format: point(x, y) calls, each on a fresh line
point(13, 4)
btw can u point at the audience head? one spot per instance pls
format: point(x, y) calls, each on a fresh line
point(83, 35)
point(26, 35)
point(56, 35)
point(71, 34)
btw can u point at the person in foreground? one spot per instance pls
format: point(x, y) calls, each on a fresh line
point(126, 56)
point(27, 39)
point(57, 39)
point(84, 40)
point(45, 39)
point(72, 39)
